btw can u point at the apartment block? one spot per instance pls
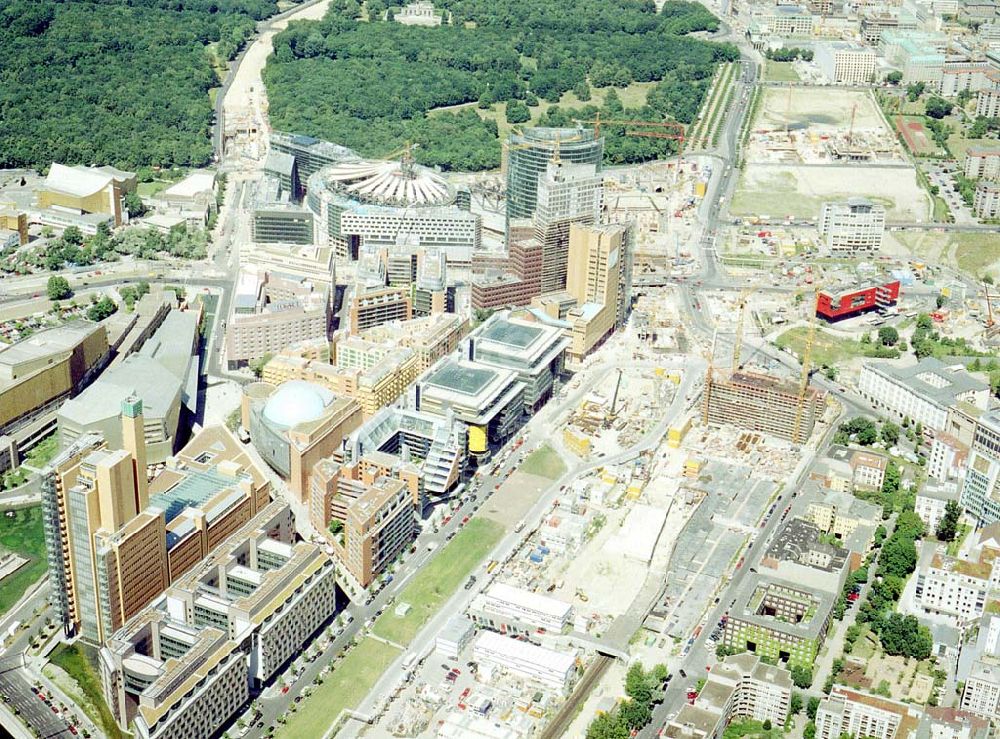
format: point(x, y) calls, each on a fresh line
point(923, 393)
point(372, 309)
point(852, 226)
point(986, 199)
point(741, 687)
point(187, 664)
point(953, 588)
point(868, 470)
point(980, 493)
point(379, 527)
point(431, 338)
point(857, 714)
point(988, 103)
point(763, 403)
point(931, 501)
point(270, 313)
point(982, 163)
point(947, 458)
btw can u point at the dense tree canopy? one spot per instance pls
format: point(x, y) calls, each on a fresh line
point(114, 81)
point(370, 85)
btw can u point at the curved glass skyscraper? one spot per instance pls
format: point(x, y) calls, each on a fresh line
point(530, 152)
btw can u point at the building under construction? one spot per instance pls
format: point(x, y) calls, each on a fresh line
point(763, 403)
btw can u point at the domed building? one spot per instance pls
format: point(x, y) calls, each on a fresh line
point(398, 205)
point(295, 424)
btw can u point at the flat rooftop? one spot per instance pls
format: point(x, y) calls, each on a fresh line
point(516, 335)
point(461, 378)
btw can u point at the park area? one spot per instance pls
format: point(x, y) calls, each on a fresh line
point(435, 582)
point(829, 350)
point(21, 533)
point(345, 687)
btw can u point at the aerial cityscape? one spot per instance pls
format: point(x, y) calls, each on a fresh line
point(500, 370)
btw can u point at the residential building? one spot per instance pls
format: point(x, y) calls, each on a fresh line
point(309, 262)
point(763, 403)
point(947, 457)
point(741, 687)
point(850, 520)
point(982, 163)
point(295, 425)
point(437, 446)
point(986, 199)
point(74, 193)
point(431, 338)
point(512, 610)
point(869, 470)
point(529, 154)
point(187, 664)
point(271, 312)
point(857, 714)
point(931, 501)
point(39, 373)
point(380, 526)
point(939, 722)
point(801, 553)
point(779, 619)
point(534, 351)
point(922, 393)
point(955, 589)
point(988, 103)
point(370, 309)
point(546, 667)
point(980, 494)
point(843, 63)
point(852, 226)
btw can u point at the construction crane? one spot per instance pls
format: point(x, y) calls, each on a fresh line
point(709, 376)
point(806, 360)
point(738, 341)
point(634, 128)
point(507, 147)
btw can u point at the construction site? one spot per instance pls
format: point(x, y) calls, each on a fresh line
point(808, 145)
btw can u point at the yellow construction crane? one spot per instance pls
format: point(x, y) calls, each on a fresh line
point(506, 148)
point(709, 376)
point(806, 367)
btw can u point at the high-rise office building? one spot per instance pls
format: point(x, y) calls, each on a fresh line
point(529, 154)
point(567, 193)
point(599, 278)
point(106, 549)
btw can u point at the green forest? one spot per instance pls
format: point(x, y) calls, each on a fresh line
point(370, 84)
point(121, 82)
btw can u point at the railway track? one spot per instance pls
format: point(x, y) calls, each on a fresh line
point(564, 718)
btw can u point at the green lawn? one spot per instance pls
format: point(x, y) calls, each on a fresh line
point(346, 686)
point(942, 214)
point(22, 533)
point(827, 349)
point(80, 662)
point(544, 462)
point(435, 583)
point(780, 72)
point(43, 452)
point(152, 189)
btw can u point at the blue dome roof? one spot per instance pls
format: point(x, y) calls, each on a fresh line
point(295, 402)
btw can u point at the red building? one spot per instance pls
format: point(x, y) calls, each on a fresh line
point(834, 306)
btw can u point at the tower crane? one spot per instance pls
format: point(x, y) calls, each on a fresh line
point(738, 341)
point(806, 360)
point(660, 130)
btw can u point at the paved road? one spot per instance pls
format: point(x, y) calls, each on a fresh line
point(16, 690)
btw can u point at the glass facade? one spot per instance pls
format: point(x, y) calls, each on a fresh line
point(529, 154)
